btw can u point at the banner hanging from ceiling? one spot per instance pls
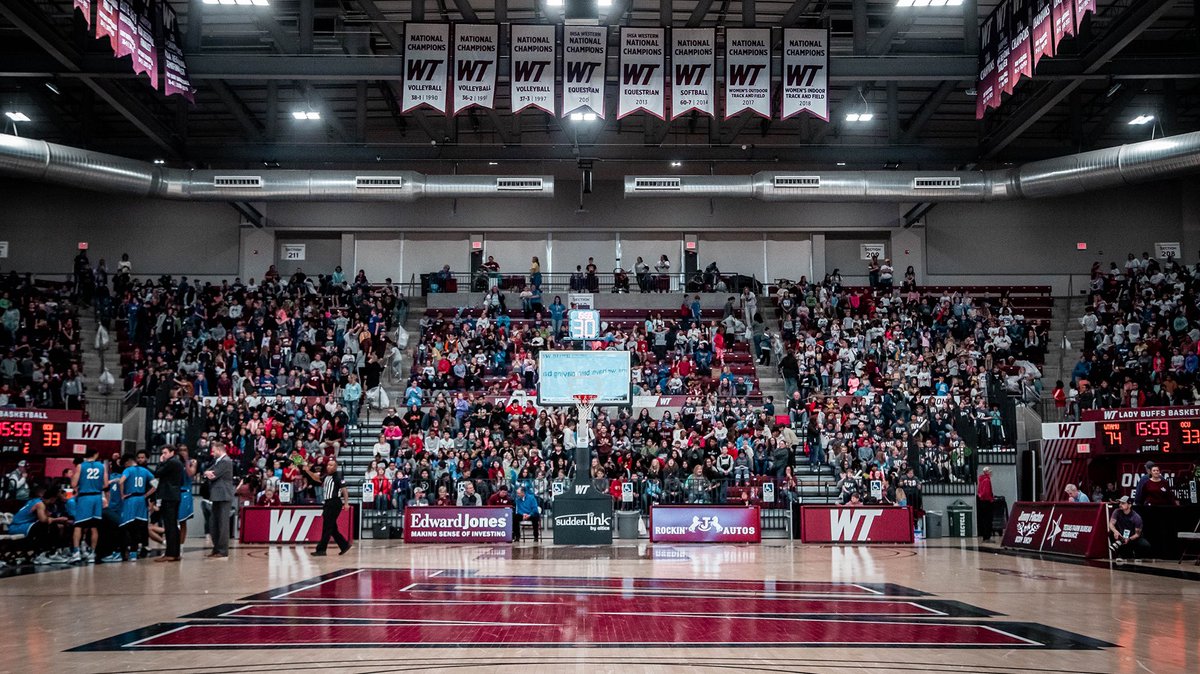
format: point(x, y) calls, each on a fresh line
point(106, 22)
point(1082, 9)
point(1063, 15)
point(1020, 58)
point(85, 8)
point(126, 29)
point(476, 48)
point(426, 54)
point(1042, 32)
point(805, 72)
point(643, 66)
point(175, 75)
point(585, 54)
point(986, 94)
point(145, 54)
point(693, 69)
point(1004, 83)
point(748, 71)
point(532, 56)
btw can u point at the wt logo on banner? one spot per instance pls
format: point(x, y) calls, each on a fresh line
point(805, 73)
point(693, 61)
point(475, 53)
point(292, 525)
point(533, 54)
point(585, 51)
point(426, 51)
point(643, 54)
point(748, 71)
point(852, 524)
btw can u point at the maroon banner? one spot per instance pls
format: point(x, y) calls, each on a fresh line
point(1144, 413)
point(437, 524)
point(856, 524)
point(1042, 33)
point(1076, 529)
point(85, 7)
point(175, 76)
point(126, 29)
point(1020, 59)
point(1004, 83)
point(106, 22)
point(705, 524)
point(1063, 17)
point(145, 56)
point(986, 95)
point(41, 415)
point(296, 524)
point(1082, 9)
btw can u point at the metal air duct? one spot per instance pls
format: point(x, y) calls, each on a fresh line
point(48, 162)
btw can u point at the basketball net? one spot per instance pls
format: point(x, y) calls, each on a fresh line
point(583, 405)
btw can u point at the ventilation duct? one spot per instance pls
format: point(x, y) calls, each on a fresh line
point(39, 160)
point(1087, 172)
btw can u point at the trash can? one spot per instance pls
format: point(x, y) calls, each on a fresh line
point(933, 524)
point(627, 524)
point(961, 516)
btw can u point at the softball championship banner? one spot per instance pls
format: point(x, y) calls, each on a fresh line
point(533, 55)
point(85, 6)
point(426, 52)
point(585, 53)
point(748, 71)
point(475, 53)
point(175, 80)
point(643, 64)
point(805, 72)
point(693, 68)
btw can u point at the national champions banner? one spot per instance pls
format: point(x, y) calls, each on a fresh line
point(1063, 16)
point(643, 66)
point(1003, 27)
point(175, 77)
point(748, 71)
point(426, 53)
point(986, 93)
point(585, 53)
point(1042, 32)
point(476, 49)
point(693, 68)
point(1020, 59)
point(533, 54)
point(806, 72)
point(1082, 9)
point(126, 29)
point(145, 56)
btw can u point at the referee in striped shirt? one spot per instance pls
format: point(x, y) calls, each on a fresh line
point(337, 499)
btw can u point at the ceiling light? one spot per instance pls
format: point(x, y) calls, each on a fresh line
point(17, 116)
point(841, 163)
point(852, 116)
point(583, 116)
point(493, 163)
point(899, 3)
point(210, 2)
point(554, 3)
point(604, 3)
point(1141, 119)
point(160, 162)
point(937, 3)
point(676, 164)
point(51, 87)
point(920, 3)
point(866, 117)
point(305, 114)
point(955, 3)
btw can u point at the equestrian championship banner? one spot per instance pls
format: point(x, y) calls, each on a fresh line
point(748, 71)
point(476, 48)
point(643, 62)
point(533, 54)
point(693, 64)
point(585, 53)
point(145, 56)
point(805, 72)
point(426, 52)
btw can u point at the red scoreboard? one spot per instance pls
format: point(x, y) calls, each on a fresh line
point(1157, 435)
point(27, 433)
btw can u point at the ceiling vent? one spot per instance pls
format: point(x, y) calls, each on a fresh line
point(238, 181)
point(656, 184)
point(797, 182)
point(378, 182)
point(519, 184)
point(947, 183)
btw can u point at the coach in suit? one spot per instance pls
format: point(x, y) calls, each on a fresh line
point(220, 492)
point(169, 491)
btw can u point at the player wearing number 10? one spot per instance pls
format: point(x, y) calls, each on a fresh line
point(89, 480)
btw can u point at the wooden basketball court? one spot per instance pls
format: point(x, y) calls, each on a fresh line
point(778, 606)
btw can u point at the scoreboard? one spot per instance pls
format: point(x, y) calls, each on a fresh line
point(48, 433)
point(32, 437)
point(1157, 435)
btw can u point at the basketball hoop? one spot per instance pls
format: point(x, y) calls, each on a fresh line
point(584, 403)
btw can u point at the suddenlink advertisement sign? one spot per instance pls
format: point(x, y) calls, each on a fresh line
point(458, 525)
point(583, 520)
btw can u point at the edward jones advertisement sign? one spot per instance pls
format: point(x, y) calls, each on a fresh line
point(458, 525)
point(705, 524)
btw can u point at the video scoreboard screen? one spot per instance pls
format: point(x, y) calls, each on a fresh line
point(1161, 435)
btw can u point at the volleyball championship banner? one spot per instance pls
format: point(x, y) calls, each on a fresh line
point(856, 524)
point(532, 56)
point(290, 524)
point(643, 67)
point(585, 53)
point(85, 7)
point(426, 52)
point(175, 77)
point(748, 71)
point(693, 71)
point(440, 524)
point(476, 49)
point(806, 72)
point(1076, 529)
point(106, 22)
point(145, 56)
point(705, 524)
point(1063, 16)
point(126, 29)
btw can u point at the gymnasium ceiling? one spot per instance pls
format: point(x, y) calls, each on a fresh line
point(252, 66)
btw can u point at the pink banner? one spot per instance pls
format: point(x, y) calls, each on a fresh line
point(434, 524)
point(175, 76)
point(856, 524)
point(1063, 17)
point(106, 22)
point(85, 8)
point(296, 524)
point(145, 56)
point(986, 95)
point(1020, 58)
point(1042, 34)
point(1142, 414)
point(705, 524)
point(1004, 83)
point(1082, 9)
point(126, 29)
point(1076, 529)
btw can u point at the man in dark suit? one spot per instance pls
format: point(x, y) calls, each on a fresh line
point(220, 492)
point(170, 484)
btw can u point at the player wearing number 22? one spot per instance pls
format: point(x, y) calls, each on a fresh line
point(89, 480)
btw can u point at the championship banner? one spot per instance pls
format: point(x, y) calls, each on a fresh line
point(476, 49)
point(435, 524)
point(748, 71)
point(1076, 529)
point(175, 80)
point(986, 93)
point(585, 53)
point(1042, 32)
point(1020, 59)
point(1003, 28)
point(1082, 9)
point(856, 524)
point(426, 53)
point(693, 64)
point(290, 524)
point(1062, 14)
point(806, 72)
point(85, 6)
point(532, 54)
point(145, 56)
point(106, 22)
point(643, 66)
point(126, 29)
point(705, 524)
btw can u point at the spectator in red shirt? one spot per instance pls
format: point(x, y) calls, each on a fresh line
point(1154, 490)
point(985, 500)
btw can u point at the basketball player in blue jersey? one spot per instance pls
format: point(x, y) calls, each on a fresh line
point(89, 482)
point(186, 507)
point(114, 537)
point(135, 515)
point(36, 521)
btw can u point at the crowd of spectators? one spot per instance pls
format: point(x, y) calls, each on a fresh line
point(40, 341)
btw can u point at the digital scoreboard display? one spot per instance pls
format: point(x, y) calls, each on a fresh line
point(1160, 435)
point(32, 437)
